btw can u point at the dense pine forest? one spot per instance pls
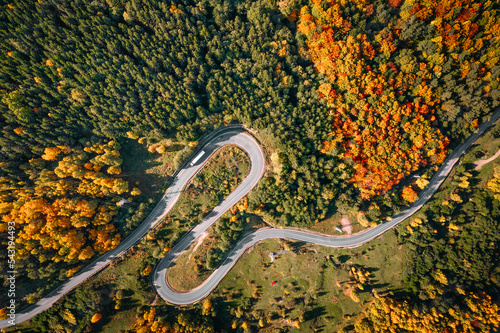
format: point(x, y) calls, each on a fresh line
point(352, 98)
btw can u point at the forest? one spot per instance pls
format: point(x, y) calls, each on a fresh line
point(354, 98)
point(452, 270)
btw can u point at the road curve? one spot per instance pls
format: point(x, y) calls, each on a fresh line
point(252, 148)
point(178, 298)
point(217, 139)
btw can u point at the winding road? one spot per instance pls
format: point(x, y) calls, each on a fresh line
point(235, 136)
point(172, 296)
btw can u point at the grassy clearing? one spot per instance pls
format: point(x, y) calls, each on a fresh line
point(327, 226)
point(123, 276)
point(218, 178)
point(147, 170)
point(486, 146)
point(271, 149)
point(190, 269)
point(150, 169)
point(309, 285)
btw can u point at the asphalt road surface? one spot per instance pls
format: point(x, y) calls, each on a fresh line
point(174, 297)
point(219, 138)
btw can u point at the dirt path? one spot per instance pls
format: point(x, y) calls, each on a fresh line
point(479, 163)
point(200, 240)
point(346, 225)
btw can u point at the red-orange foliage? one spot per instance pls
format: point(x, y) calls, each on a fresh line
point(95, 318)
point(386, 140)
point(394, 3)
point(409, 194)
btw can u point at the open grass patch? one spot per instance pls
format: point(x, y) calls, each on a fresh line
point(196, 264)
point(222, 174)
point(484, 147)
point(147, 169)
point(218, 178)
point(308, 283)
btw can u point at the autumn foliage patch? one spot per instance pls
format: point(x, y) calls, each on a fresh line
point(65, 210)
point(384, 96)
point(386, 139)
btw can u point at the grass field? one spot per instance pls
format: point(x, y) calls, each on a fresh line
point(189, 270)
point(312, 282)
point(484, 148)
point(308, 282)
point(218, 178)
point(123, 276)
point(225, 170)
point(150, 169)
point(327, 226)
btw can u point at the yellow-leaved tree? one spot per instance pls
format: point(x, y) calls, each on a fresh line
point(409, 194)
point(95, 318)
point(494, 183)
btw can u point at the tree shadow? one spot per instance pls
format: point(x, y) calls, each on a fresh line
point(135, 163)
point(399, 293)
point(315, 313)
point(369, 269)
point(296, 245)
point(343, 258)
point(137, 157)
point(379, 285)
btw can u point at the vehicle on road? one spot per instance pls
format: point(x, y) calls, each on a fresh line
point(197, 158)
point(255, 174)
